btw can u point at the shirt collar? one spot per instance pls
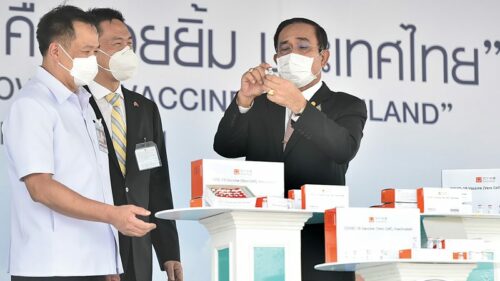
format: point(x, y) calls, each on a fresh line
point(56, 87)
point(83, 97)
point(309, 93)
point(100, 92)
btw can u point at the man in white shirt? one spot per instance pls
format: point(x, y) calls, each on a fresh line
point(63, 221)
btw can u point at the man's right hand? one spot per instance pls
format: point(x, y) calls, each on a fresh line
point(252, 85)
point(124, 218)
point(112, 277)
point(60, 198)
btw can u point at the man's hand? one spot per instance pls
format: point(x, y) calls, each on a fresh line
point(284, 93)
point(252, 85)
point(125, 220)
point(62, 199)
point(112, 277)
point(174, 270)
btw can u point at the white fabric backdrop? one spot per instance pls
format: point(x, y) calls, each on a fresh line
point(450, 77)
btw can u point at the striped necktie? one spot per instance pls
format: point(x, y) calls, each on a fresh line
point(288, 132)
point(119, 129)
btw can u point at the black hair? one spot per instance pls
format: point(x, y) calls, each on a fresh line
point(105, 14)
point(58, 24)
point(320, 32)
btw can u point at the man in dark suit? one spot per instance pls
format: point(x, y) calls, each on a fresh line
point(139, 172)
point(296, 119)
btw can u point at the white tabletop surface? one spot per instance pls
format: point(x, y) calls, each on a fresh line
point(205, 212)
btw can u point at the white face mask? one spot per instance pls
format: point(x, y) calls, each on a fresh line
point(122, 64)
point(296, 69)
point(84, 70)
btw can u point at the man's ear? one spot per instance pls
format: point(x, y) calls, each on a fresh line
point(54, 51)
point(325, 55)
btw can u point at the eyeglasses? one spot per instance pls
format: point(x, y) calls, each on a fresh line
point(301, 48)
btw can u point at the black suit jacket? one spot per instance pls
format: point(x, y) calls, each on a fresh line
point(149, 189)
point(326, 137)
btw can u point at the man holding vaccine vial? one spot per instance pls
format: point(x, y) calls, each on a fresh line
point(294, 118)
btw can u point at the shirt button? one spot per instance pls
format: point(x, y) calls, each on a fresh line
point(126, 189)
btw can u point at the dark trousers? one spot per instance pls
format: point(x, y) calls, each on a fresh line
point(129, 271)
point(65, 278)
point(313, 253)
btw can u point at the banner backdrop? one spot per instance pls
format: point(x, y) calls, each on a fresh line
point(428, 71)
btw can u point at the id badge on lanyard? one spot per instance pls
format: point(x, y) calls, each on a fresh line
point(147, 155)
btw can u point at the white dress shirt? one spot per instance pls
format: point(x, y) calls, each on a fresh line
point(99, 92)
point(50, 129)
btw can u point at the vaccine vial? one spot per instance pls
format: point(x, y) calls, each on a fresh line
point(272, 71)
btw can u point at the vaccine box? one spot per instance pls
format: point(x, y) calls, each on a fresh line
point(318, 198)
point(483, 183)
point(399, 205)
point(229, 196)
point(274, 203)
point(295, 198)
point(425, 254)
point(367, 234)
point(234, 183)
point(465, 244)
point(391, 195)
point(436, 200)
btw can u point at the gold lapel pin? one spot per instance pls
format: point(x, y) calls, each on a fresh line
point(313, 103)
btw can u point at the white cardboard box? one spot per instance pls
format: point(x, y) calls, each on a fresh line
point(423, 254)
point(392, 195)
point(400, 205)
point(483, 183)
point(318, 198)
point(437, 200)
point(236, 183)
point(224, 196)
point(476, 245)
point(363, 234)
point(295, 196)
point(274, 203)
point(445, 255)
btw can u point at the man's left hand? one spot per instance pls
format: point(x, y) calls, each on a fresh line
point(284, 93)
point(174, 270)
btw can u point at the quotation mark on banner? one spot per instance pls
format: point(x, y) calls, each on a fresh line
point(445, 106)
point(487, 44)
